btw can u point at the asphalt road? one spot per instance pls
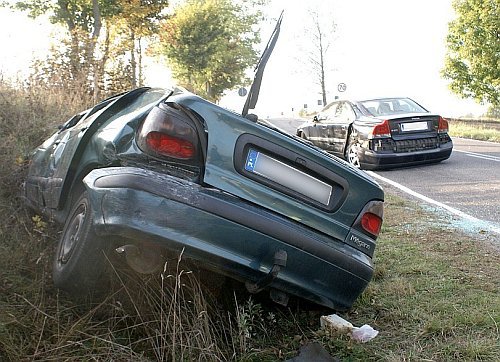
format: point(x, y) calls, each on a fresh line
point(468, 181)
point(466, 185)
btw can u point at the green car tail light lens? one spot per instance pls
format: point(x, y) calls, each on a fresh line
point(369, 220)
point(288, 176)
point(168, 133)
point(371, 223)
point(166, 145)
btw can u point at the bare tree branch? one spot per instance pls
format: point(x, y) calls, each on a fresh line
point(321, 36)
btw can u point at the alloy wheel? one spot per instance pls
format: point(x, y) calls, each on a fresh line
point(73, 234)
point(352, 156)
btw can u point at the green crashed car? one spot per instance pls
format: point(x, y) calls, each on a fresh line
point(162, 171)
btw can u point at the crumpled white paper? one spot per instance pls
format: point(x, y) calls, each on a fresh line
point(361, 334)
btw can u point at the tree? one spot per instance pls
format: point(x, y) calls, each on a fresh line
point(83, 21)
point(493, 112)
point(93, 61)
point(472, 62)
point(137, 19)
point(320, 34)
point(209, 44)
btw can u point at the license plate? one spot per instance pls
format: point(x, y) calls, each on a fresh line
point(414, 126)
point(288, 176)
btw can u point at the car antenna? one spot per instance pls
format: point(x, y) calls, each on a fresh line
point(253, 94)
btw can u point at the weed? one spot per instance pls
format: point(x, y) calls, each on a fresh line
point(474, 131)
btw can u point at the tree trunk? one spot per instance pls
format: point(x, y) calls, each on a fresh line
point(140, 82)
point(133, 63)
point(91, 50)
point(322, 80)
point(75, 40)
point(318, 55)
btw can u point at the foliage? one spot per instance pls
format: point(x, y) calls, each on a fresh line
point(28, 115)
point(493, 112)
point(209, 44)
point(137, 20)
point(102, 49)
point(82, 20)
point(71, 13)
point(472, 63)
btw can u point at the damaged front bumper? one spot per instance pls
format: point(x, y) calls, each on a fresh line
point(226, 234)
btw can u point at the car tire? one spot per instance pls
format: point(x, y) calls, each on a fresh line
point(79, 262)
point(351, 154)
point(303, 136)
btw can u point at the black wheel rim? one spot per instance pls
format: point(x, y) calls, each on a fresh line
point(73, 233)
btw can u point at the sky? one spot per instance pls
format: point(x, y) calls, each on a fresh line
point(379, 48)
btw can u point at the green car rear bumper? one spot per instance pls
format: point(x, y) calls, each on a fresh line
point(226, 234)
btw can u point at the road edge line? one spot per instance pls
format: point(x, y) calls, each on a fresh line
point(482, 223)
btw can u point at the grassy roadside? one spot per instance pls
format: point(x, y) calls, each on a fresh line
point(434, 297)
point(476, 131)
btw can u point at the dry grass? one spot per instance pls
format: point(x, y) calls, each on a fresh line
point(476, 131)
point(156, 318)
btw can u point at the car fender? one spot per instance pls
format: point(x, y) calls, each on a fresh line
point(59, 161)
point(303, 132)
point(351, 133)
point(79, 160)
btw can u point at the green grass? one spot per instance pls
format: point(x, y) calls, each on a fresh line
point(434, 297)
point(475, 131)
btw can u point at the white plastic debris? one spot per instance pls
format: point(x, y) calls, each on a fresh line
point(361, 334)
point(364, 333)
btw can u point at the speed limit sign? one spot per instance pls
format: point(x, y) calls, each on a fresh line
point(341, 87)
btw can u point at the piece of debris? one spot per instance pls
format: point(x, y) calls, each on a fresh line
point(361, 334)
point(364, 333)
point(313, 352)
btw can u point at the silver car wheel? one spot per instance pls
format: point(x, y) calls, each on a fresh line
point(352, 156)
point(73, 234)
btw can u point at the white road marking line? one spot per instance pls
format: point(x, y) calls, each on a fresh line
point(484, 158)
point(479, 155)
point(481, 223)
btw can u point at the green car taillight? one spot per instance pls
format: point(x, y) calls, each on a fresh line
point(369, 220)
point(168, 133)
point(164, 144)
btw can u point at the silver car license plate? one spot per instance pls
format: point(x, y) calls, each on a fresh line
point(414, 126)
